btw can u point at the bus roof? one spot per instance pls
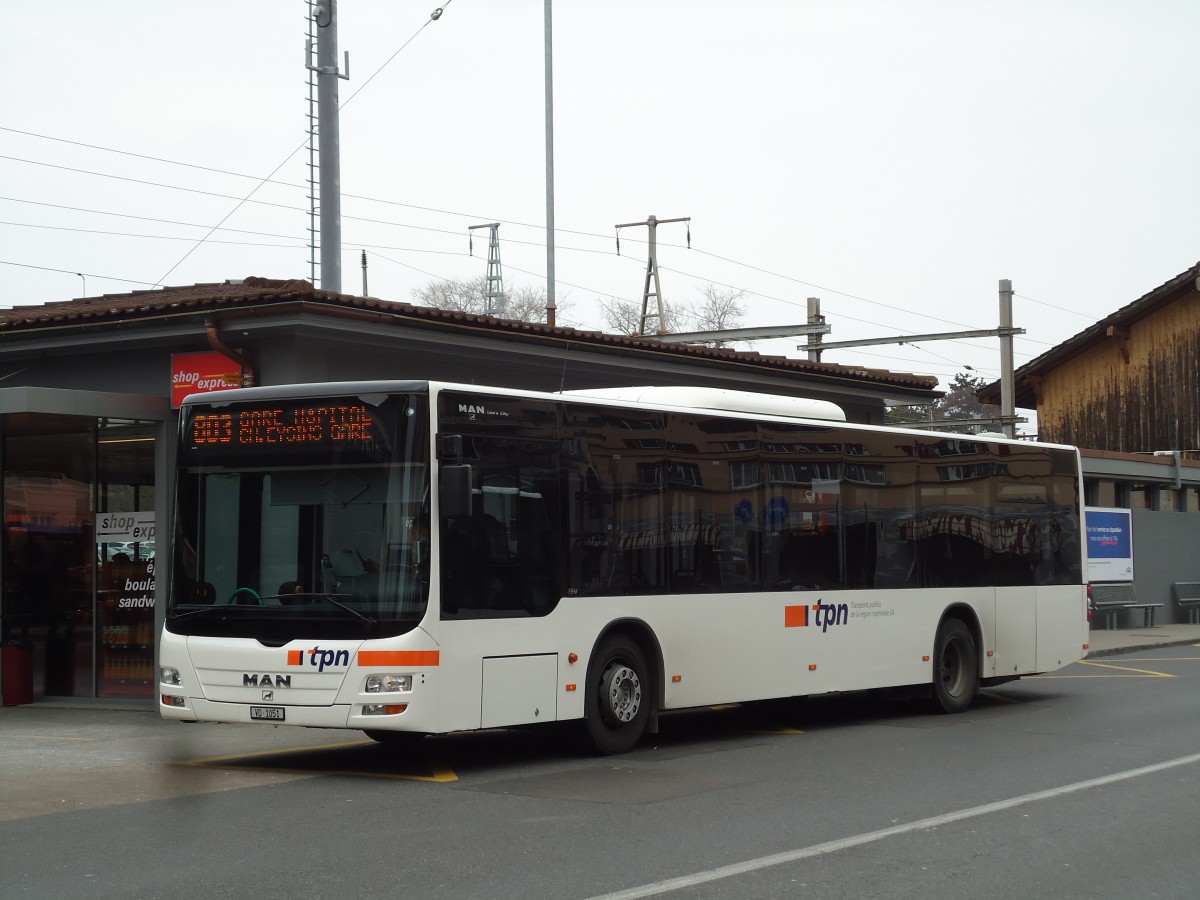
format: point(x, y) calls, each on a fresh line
point(719, 398)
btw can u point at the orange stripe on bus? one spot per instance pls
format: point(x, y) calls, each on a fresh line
point(795, 616)
point(399, 657)
point(295, 657)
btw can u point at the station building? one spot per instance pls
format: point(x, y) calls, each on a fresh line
point(89, 392)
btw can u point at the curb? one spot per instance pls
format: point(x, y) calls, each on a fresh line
point(1137, 648)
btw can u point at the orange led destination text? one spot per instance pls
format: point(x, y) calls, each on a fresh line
point(303, 425)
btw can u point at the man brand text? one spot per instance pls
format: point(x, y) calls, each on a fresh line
point(478, 409)
point(266, 680)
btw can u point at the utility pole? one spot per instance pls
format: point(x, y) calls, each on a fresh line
point(814, 338)
point(364, 268)
point(549, 65)
point(324, 14)
point(1008, 418)
point(652, 224)
point(1008, 409)
point(494, 300)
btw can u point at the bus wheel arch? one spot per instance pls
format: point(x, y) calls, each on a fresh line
point(956, 661)
point(622, 693)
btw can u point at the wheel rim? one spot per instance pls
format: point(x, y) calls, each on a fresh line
point(952, 669)
point(623, 692)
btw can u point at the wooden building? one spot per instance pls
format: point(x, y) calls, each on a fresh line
point(1130, 383)
point(1126, 391)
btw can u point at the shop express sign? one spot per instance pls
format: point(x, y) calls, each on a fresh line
point(193, 373)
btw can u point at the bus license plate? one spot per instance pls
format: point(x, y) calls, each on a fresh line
point(273, 713)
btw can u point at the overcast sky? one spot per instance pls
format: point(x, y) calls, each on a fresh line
point(894, 158)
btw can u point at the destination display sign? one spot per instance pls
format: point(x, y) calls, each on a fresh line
point(281, 428)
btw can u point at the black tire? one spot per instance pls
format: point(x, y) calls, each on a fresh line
point(619, 694)
point(955, 667)
point(395, 738)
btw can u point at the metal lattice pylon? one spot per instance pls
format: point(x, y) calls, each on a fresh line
point(495, 301)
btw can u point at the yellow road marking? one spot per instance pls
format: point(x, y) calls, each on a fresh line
point(996, 698)
point(1165, 659)
point(779, 729)
point(1144, 672)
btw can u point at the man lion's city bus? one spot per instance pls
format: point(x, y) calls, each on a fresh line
point(410, 558)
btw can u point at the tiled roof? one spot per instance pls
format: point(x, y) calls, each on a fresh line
point(256, 293)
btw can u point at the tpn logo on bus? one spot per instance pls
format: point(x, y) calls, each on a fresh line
point(824, 615)
point(319, 659)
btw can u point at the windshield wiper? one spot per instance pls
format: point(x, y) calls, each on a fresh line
point(301, 595)
point(200, 611)
point(256, 607)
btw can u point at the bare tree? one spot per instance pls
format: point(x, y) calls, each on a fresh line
point(625, 316)
point(715, 309)
point(524, 304)
point(718, 309)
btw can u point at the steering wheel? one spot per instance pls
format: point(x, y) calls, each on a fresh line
point(245, 590)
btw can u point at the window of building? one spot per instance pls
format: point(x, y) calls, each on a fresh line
point(1121, 496)
point(1142, 496)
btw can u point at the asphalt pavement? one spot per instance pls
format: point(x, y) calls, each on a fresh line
point(62, 755)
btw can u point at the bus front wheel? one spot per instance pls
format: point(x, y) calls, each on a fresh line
point(618, 696)
point(955, 667)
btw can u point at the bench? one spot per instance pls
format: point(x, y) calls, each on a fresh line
point(1187, 595)
point(1110, 599)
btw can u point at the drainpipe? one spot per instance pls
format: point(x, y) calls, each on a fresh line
point(214, 341)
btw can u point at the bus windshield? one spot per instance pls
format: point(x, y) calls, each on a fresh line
point(300, 519)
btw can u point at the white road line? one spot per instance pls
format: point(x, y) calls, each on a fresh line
point(790, 856)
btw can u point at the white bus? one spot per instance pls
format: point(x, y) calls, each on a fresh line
point(409, 558)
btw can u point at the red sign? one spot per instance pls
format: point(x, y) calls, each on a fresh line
point(192, 373)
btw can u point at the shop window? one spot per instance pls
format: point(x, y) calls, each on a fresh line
point(79, 553)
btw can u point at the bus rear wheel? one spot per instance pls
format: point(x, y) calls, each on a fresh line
point(618, 696)
point(955, 667)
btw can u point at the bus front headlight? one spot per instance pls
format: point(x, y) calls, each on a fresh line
point(169, 675)
point(388, 684)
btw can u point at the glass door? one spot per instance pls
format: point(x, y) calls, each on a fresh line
point(125, 556)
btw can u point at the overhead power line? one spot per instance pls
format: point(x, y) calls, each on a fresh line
point(440, 211)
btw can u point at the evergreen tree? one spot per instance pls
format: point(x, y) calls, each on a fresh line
point(960, 402)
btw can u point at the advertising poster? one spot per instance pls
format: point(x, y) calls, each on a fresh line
point(192, 373)
point(1109, 544)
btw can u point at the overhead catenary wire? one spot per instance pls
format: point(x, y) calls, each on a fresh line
point(601, 293)
point(699, 250)
point(385, 222)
